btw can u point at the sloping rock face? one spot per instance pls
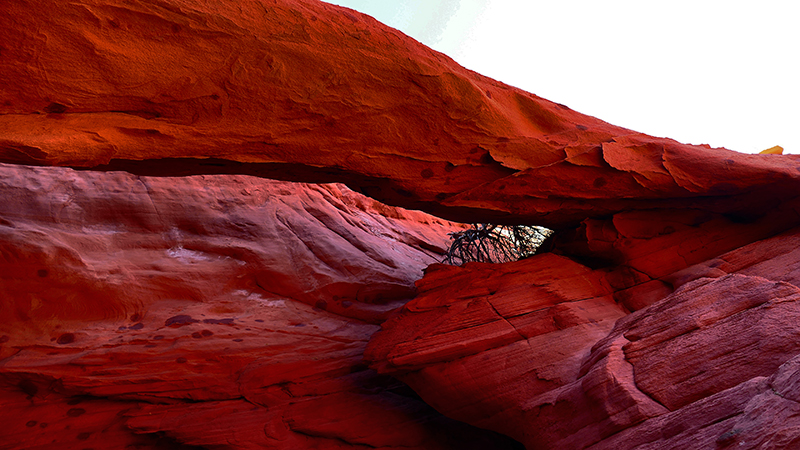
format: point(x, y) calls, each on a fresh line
point(232, 312)
point(212, 311)
point(708, 364)
point(310, 91)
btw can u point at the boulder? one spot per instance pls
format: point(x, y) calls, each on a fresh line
point(671, 375)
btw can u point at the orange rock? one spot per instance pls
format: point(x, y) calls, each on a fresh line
point(234, 312)
point(315, 92)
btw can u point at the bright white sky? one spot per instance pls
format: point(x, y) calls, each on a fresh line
point(719, 72)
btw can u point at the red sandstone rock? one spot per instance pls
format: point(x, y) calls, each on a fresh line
point(213, 310)
point(120, 235)
point(688, 362)
point(311, 91)
point(147, 311)
point(480, 341)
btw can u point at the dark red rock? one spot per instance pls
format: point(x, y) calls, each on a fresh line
point(179, 321)
point(54, 422)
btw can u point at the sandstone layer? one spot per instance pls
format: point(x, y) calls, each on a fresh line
point(207, 311)
point(222, 310)
point(543, 350)
point(305, 90)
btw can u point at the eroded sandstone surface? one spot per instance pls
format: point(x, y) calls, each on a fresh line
point(209, 311)
point(314, 92)
point(696, 368)
point(222, 310)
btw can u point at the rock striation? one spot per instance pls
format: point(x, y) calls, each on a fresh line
point(313, 92)
point(695, 368)
point(168, 284)
point(206, 311)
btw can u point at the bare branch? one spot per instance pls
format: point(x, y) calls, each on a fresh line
point(495, 243)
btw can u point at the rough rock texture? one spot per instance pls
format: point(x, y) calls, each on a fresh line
point(141, 311)
point(693, 369)
point(232, 312)
point(307, 90)
point(117, 234)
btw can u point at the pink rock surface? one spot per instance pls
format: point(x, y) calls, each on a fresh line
point(156, 307)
